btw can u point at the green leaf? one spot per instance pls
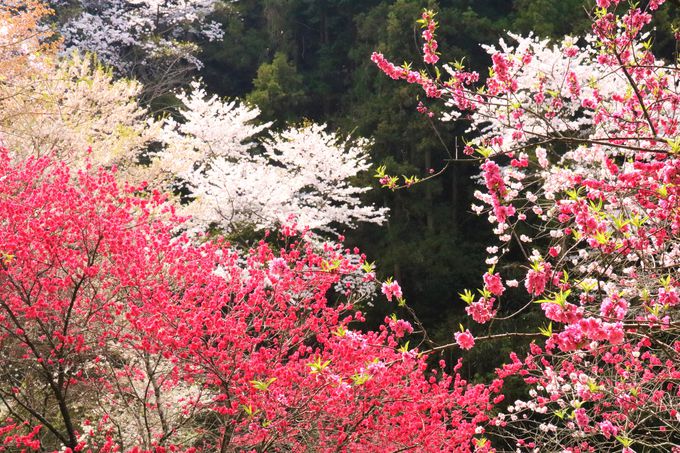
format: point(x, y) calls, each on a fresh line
point(561, 413)
point(557, 298)
point(467, 296)
point(596, 207)
point(587, 286)
point(625, 441)
point(262, 385)
point(368, 267)
point(318, 366)
point(674, 144)
point(665, 281)
point(484, 293)
point(360, 378)
point(565, 277)
point(593, 387)
point(459, 65)
point(547, 331)
point(662, 191)
point(248, 409)
point(603, 237)
point(341, 331)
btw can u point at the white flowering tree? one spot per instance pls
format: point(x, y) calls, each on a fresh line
point(72, 107)
point(74, 110)
point(153, 40)
point(239, 173)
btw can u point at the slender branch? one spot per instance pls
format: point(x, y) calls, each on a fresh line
point(487, 337)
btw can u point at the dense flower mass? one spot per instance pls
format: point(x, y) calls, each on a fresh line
point(108, 317)
point(236, 171)
point(155, 30)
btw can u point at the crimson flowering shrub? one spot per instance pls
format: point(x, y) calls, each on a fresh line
point(578, 147)
point(117, 335)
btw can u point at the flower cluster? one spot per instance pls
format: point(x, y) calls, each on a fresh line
point(156, 29)
point(391, 289)
point(465, 339)
point(430, 44)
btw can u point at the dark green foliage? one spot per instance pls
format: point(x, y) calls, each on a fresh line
point(278, 90)
point(551, 18)
point(231, 64)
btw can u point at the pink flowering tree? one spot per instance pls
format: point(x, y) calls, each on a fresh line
point(577, 143)
point(117, 335)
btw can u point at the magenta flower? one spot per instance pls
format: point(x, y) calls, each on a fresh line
point(493, 283)
point(391, 289)
point(465, 339)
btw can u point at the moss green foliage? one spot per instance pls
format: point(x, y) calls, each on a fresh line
point(278, 89)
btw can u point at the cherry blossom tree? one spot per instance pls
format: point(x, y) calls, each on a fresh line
point(153, 40)
point(71, 107)
point(239, 173)
point(577, 145)
point(73, 110)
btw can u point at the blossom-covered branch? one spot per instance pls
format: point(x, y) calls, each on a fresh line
point(577, 143)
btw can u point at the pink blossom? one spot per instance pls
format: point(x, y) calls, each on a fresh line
point(571, 52)
point(481, 310)
point(493, 283)
point(566, 313)
point(493, 178)
point(391, 289)
point(602, 213)
point(501, 66)
point(614, 307)
point(654, 4)
point(608, 429)
point(668, 297)
point(399, 326)
point(512, 283)
point(581, 418)
point(537, 279)
point(465, 339)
